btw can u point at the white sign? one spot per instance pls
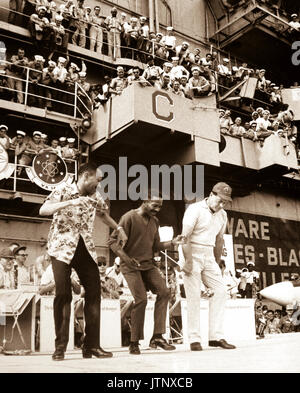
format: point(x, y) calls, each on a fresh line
point(110, 324)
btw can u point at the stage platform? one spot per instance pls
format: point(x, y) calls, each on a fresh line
point(278, 353)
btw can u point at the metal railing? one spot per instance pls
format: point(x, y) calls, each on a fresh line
point(17, 178)
point(75, 104)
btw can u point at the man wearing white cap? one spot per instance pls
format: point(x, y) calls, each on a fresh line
point(294, 23)
point(132, 34)
point(223, 68)
point(4, 138)
point(96, 31)
point(35, 144)
point(152, 72)
point(49, 79)
point(58, 34)
point(17, 70)
point(114, 29)
point(69, 151)
point(143, 34)
point(83, 93)
point(177, 70)
point(251, 280)
point(19, 138)
point(169, 40)
point(44, 141)
point(81, 24)
point(61, 74)
point(19, 142)
point(35, 74)
point(199, 86)
point(39, 27)
point(119, 83)
point(204, 224)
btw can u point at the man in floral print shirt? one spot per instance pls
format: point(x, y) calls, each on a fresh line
point(70, 245)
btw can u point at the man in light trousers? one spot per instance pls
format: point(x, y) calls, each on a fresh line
point(204, 224)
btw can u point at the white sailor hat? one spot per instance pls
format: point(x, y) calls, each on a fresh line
point(38, 133)
point(143, 18)
point(168, 64)
point(42, 7)
point(59, 17)
point(3, 126)
point(61, 59)
point(62, 138)
point(251, 263)
point(234, 68)
point(71, 140)
point(82, 74)
point(185, 43)
point(175, 58)
point(22, 133)
point(262, 70)
point(169, 28)
point(39, 58)
point(195, 68)
point(74, 65)
point(88, 8)
point(259, 109)
point(226, 60)
point(123, 14)
point(222, 110)
point(159, 34)
point(120, 68)
point(51, 63)
point(294, 16)
point(44, 136)
point(276, 88)
point(133, 19)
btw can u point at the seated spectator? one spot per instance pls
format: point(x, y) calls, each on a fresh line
point(40, 31)
point(119, 83)
point(169, 41)
point(271, 324)
point(167, 67)
point(176, 88)
point(4, 138)
point(49, 78)
point(44, 140)
point(185, 87)
point(250, 133)
point(69, 151)
point(23, 271)
point(62, 143)
point(7, 278)
point(164, 82)
point(47, 285)
point(160, 49)
point(192, 56)
point(35, 90)
point(237, 129)
point(18, 139)
point(110, 288)
point(286, 324)
point(55, 147)
point(242, 72)
point(198, 85)
point(17, 70)
point(152, 73)
point(177, 71)
point(182, 52)
point(135, 77)
point(104, 94)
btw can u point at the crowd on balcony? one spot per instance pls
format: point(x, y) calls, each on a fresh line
point(25, 147)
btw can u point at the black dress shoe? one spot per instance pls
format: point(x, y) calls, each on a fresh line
point(162, 343)
point(87, 353)
point(195, 346)
point(59, 354)
point(134, 348)
point(221, 343)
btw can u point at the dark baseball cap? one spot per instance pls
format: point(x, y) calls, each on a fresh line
point(6, 253)
point(16, 250)
point(223, 190)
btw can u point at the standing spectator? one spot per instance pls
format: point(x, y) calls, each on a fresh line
point(35, 74)
point(119, 83)
point(224, 74)
point(225, 121)
point(261, 84)
point(80, 24)
point(28, 10)
point(252, 281)
point(14, 15)
point(104, 94)
point(7, 278)
point(132, 35)
point(40, 31)
point(69, 150)
point(250, 132)
point(61, 75)
point(4, 138)
point(96, 31)
point(143, 34)
point(169, 40)
point(44, 140)
point(125, 27)
point(18, 72)
point(58, 36)
point(71, 78)
point(35, 144)
point(137, 78)
point(294, 23)
point(198, 85)
point(84, 103)
point(160, 49)
point(114, 28)
point(49, 78)
point(21, 146)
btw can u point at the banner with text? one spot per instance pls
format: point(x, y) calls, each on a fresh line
point(273, 244)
